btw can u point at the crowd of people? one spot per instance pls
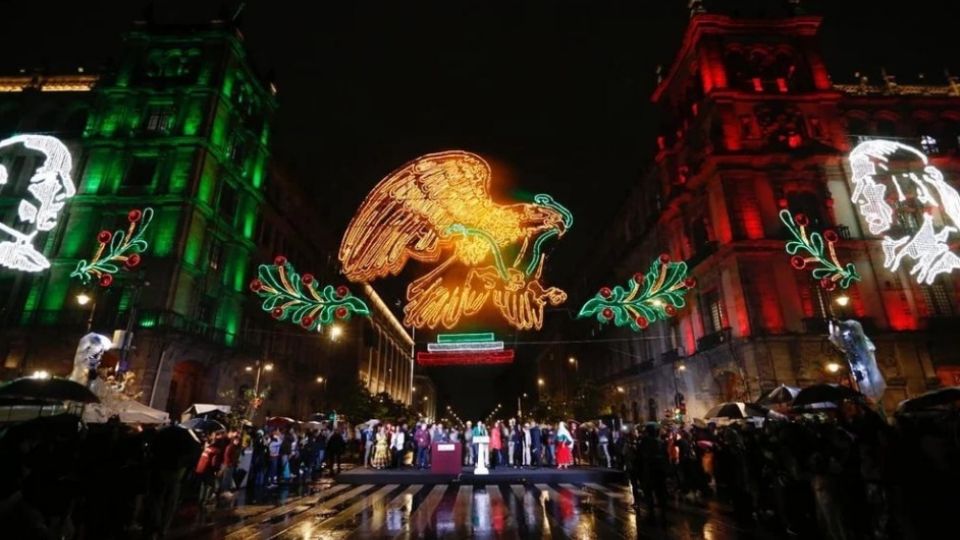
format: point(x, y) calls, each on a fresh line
point(511, 444)
point(849, 475)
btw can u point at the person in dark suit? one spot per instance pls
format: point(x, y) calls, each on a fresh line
point(536, 443)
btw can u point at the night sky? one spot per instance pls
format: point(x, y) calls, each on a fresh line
point(555, 94)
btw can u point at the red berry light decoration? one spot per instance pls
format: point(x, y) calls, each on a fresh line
point(116, 250)
point(817, 252)
point(650, 297)
point(301, 299)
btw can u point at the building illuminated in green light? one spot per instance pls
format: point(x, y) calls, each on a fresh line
point(180, 125)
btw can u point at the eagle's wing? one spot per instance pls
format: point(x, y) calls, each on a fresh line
point(407, 214)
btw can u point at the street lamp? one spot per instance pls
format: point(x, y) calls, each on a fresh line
point(620, 390)
point(541, 382)
point(832, 367)
point(335, 332)
point(83, 299)
point(842, 300)
point(260, 366)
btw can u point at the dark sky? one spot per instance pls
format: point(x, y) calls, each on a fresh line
point(555, 93)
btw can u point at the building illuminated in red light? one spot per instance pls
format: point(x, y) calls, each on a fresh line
point(752, 124)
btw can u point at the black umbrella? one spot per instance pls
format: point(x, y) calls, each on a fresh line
point(782, 394)
point(942, 398)
point(825, 393)
point(48, 389)
point(203, 424)
point(737, 410)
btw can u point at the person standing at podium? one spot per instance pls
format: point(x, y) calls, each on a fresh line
point(480, 457)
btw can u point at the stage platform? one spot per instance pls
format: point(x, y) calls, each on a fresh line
point(503, 475)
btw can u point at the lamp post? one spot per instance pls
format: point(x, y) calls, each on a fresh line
point(260, 366)
point(519, 408)
point(842, 301)
point(83, 299)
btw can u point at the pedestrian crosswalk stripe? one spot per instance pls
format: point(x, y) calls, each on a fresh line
point(421, 516)
point(496, 501)
point(382, 522)
point(241, 530)
point(543, 510)
point(347, 512)
point(463, 509)
point(326, 506)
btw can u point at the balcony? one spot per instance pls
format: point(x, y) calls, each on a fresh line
point(713, 340)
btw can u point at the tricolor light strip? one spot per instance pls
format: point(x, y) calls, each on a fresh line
point(468, 346)
point(459, 358)
point(465, 349)
point(465, 338)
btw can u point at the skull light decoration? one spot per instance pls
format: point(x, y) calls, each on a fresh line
point(50, 186)
point(887, 174)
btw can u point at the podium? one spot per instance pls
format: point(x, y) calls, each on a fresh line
point(445, 458)
point(483, 452)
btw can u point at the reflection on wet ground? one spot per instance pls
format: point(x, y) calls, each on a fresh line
point(564, 510)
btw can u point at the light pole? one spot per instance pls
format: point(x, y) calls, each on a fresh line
point(260, 366)
point(321, 380)
point(84, 299)
point(519, 408)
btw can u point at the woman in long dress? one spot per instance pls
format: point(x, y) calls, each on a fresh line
point(564, 442)
point(381, 454)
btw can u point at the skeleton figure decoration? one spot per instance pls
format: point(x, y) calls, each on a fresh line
point(848, 337)
point(87, 358)
point(438, 209)
point(51, 185)
point(904, 198)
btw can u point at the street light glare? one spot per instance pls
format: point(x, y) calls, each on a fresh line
point(248, 369)
point(541, 382)
point(83, 299)
point(335, 332)
point(682, 367)
point(842, 300)
point(268, 367)
point(833, 367)
point(572, 360)
point(319, 379)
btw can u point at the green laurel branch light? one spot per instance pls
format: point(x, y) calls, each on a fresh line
point(118, 249)
point(649, 297)
point(300, 299)
point(820, 253)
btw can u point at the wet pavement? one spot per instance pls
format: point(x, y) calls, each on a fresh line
point(539, 510)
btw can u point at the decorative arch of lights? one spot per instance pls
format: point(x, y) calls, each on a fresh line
point(49, 188)
point(892, 181)
point(438, 210)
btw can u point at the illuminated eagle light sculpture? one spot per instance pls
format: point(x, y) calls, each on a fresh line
point(438, 209)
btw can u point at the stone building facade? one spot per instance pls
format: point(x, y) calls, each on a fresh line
point(753, 124)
